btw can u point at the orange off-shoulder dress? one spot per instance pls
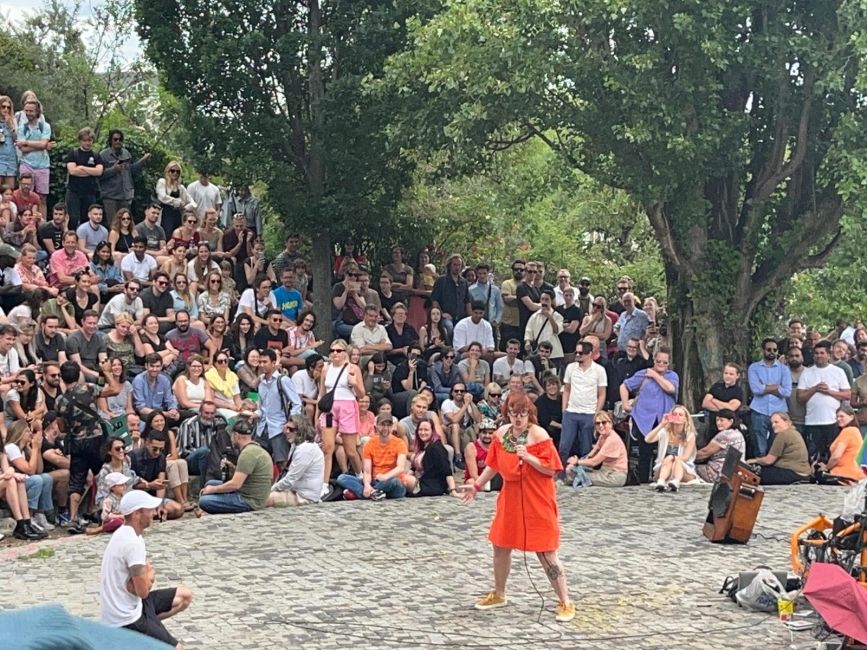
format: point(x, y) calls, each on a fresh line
point(535, 512)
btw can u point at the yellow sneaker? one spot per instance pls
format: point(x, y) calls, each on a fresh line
point(565, 612)
point(490, 601)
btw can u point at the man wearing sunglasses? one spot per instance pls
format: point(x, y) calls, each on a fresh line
point(127, 302)
point(116, 184)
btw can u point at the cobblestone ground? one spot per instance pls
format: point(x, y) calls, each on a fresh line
point(405, 574)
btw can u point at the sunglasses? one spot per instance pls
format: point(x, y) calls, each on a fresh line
point(600, 423)
point(192, 221)
point(291, 429)
point(449, 356)
point(215, 281)
point(222, 361)
point(518, 268)
point(336, 350)
point(174, 171)
point(456, 391)
point(162, 284)
point(120, 449)
point(126, 218)
point(494, 394)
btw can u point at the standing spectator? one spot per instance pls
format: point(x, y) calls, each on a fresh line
point(584, 388)
point(241, 201)
point(205, 195)
point(822, 387)
point(655, 391)
point(307, 383)
point(840, 353)
point(770, 383)
point(485, 291)
point(726, 394)
point(545, 325)
point(8, 152)
point(34, 142)
point(597, 323)
point(510, 321)
point(401, 274)
point(116, 183)
point(278, 400)
point(83, 168)
point(289, 255)
point(572, 315)
point(528, 295)
point(797, 410)
point(564, 279)
point(632, 322)
point(451, 293)
point(624, 285)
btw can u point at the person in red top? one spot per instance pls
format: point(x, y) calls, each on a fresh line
point(24, 197)
point(526, 517)
point(476, 454)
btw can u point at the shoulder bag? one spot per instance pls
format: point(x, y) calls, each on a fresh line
point(327, 400)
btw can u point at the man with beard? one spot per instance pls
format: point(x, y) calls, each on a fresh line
point(451, 293)
point(307, 383)
point(771, 385)
point(195, 436)
point(797, 410)
point(509, 322)
point(189, 340)
point(127, 302)
point(584, 298)
point(50, 345)
point(822, 387)
point(86, 346)
point(528, 294)
point(50, 385)
point(476, 454)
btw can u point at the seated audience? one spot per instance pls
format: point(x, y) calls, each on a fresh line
point(787, 460)
point(607, 462)
point(302, 482)
point(675, 457)
point(843, 463)
point(710, 458)
point(429, 462)
point(384, 463)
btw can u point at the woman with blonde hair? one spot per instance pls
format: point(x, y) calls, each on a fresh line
point(8, 136)
point(173, 196)
point(608, 455)
point(675, 455)
point(186, 236)
point(32, 277)
point(597, 323)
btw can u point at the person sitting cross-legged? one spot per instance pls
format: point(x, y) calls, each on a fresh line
point(250, 484)
point(302, 482)
point(384, 461)
point(607, 462)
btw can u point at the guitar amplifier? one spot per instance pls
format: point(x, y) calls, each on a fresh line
point(734, 502)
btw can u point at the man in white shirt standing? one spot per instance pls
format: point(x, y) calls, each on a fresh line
point(822, 387)
point(126, 577)
point(584, 387)
point(205, 195)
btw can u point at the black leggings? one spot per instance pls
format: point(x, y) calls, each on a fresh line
point(778, 476)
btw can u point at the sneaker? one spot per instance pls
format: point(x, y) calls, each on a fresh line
point(326, 488)
point(659, 486)
point(63, 519)
point(673, 486)
point(491, 601)
point(349, 495)
point(378, 495)
point(565, 612)
point(77, 528)
point(459, 462)
point(40, 521)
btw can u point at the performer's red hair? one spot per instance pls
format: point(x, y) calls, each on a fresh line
point(517, 402)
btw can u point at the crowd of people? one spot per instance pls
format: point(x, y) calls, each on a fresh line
point(164, 346)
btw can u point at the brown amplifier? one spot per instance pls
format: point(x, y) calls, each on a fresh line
point(734, 502)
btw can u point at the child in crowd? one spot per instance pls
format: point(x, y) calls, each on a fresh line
point(112, 519)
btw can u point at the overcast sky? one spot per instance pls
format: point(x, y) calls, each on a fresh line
point(19, 9)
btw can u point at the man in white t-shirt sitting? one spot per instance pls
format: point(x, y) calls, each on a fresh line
point(307, 383)
point(137, 264)
point(126, 577)
point(258, 300)
point(126, 302)
point(822, 387)
point(509, 365)
point(474, 328)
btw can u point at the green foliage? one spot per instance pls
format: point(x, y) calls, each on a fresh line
point(737, 127)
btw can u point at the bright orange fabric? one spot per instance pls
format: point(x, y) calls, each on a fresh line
point(383, 457)
point(850, 439)
point(527, 517)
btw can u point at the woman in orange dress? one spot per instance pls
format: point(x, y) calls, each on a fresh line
point(527, 518)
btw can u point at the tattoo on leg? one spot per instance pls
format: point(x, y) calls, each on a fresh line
point(554, 572)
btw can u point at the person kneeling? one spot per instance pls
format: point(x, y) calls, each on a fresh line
point(384, 463)
point(250, 485)
point(608, 454)
point(302, 482)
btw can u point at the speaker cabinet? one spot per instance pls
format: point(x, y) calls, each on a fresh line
point(734, 502)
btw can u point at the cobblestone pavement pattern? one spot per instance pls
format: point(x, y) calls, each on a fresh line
point(405, 574)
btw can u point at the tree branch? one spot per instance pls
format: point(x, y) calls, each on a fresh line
point(670, 249)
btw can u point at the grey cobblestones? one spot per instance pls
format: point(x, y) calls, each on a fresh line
point(405, 574)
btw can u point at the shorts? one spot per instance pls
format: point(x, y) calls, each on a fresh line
point(279, 448)
point(345, 417)
point(157, 602)
point(40, 178)
point(8, 166)
point(84, 455)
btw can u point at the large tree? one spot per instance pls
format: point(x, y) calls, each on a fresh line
point(275, 94)
point(738, 126)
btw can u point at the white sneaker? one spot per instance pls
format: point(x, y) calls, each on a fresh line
point(40, 521)
point(325, 488)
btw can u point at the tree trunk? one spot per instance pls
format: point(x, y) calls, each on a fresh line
point(321, 264)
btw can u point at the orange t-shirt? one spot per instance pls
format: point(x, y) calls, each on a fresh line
point(383, 456)
point(850, 439)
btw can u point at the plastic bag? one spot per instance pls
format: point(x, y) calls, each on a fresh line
point(853, 500)
point(762, 593)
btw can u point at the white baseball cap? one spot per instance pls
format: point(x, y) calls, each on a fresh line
point(136, 500)
point(115, 478)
